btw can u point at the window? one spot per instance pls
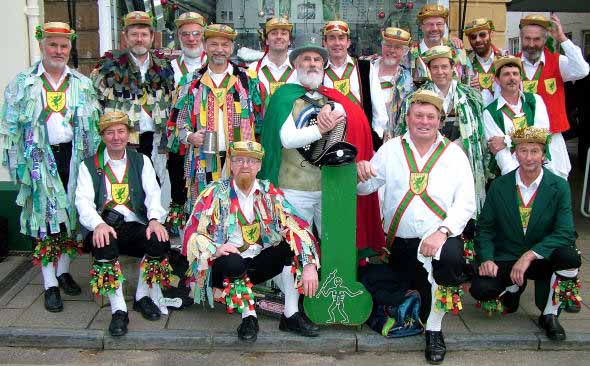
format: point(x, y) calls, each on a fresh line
point(514, 45)
point(586, 43)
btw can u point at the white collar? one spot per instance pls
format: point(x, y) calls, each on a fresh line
point(408, 138)
point(424, 47)
point(242, 195)
point(534, 185)
point(541, 59)
point(349, 60)
point(486, 60)
point(229, 69)
point(192, 61)
point(266, 61)
point(107, 158)
point(502, 101)
point(140, 65)
point(451, 91)
point(41, 70)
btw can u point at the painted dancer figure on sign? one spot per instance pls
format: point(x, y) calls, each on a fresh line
point(338, 293)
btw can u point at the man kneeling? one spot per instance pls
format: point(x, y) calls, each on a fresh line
point(118, 200)
point(526, 231)
point(241, 232)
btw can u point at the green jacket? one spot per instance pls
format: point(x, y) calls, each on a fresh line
point(500, 236)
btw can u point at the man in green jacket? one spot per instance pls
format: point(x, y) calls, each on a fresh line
point(526, 231)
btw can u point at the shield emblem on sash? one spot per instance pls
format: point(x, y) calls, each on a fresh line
point(343, 86)
point(486, 80)
point(144, 97)
point(530, 86)
point(274, 85)
point(219, 95)
point(550, 86)
point(525, 216)
point(251, 233)
point(120, 193)
point(56, 100)
point(418, 182)
point(519, 121)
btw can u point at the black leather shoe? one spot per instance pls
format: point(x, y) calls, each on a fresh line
point(67, 283)
point(553, 329)
point(435, 347)
point(248, 329)
point(119, 322)
point(297, 323)
point(573, 308)
point(510, 300)
point(53, 301)
point(147, 308)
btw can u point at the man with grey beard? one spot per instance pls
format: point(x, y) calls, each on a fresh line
point(544, 72)
point(190, 35)
point(137, 82)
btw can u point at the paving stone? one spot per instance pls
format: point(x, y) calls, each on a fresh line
point(575, 325)
point(136, 321)
point(198, 317)
point(38, 278)
point(76, 315)
point(26, 297)
point(369, 340)
point(51, 338)
point(171, 340)
point(9, 264)
point(505, 341)
point(573, 341)
point(479, 322)
point(9, 316)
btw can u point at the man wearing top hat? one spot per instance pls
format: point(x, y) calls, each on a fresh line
point(47, 127)
point(391, 81)
point(429, 198)
point(479, 32)
point(544, 71)
point(514, 109)
point(351, 76)
point(138, 82)
point(118, 202)
point(526, 231)
point(242, 231)
point(215, 108)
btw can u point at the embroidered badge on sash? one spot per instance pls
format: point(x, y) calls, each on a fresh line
point(120, 192)
point(251, 233)
point(418, 182)
point(550, 86)
point(525, 216)
point(530, 86)
point(274, 85)
point(56, 100)
point(220, 95)
point(143, 99)
point(519, 121)
point(343, 86)
point(486, 80)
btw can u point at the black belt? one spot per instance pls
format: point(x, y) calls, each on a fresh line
point(406, 241)
point(63, 147)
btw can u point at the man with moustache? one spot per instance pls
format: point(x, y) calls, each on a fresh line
point(429, 198)
point(433, 23)
point(242, 231)
point(138, 82)
point(190, 34)
point(274, 69)
point(118, 200)
point(391, 81)
point(47, 127)
point(546, 71)
point(218, 101)
point(479, 32)
point(462, 110)
point(351, 77)
point(526, 231)
point(288, 125)
point(514, 109)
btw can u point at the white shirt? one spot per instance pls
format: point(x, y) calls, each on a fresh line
point(447, 99)
point(355, 84)
point(58, 129)
point(379, 97)
point(572, 65)
point(506, 160)
point(276, 70)
point(450, 184)
point(486, 64)
point(293, 137)
point(526, 193)
point(89, 217)
point(424, 47)
point(191, 64)
point(247, 207)
point(146, 123)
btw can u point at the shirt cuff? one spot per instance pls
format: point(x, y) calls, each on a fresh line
point(539, 256)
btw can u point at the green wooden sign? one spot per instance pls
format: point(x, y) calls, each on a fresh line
point(340, 299)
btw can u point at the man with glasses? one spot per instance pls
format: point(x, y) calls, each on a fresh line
point(243, 231)
point(190, 34)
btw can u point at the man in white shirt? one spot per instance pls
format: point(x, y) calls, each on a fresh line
point(526, 231)
point(244, 232)
point(118, 202)
point(514, 109)
point(429, 198)
point(190, 27)
point(47, 127)
point(138, 82)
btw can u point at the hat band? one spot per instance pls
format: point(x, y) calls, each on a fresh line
point(337, 27)
point(395, 38)
point(56, 30)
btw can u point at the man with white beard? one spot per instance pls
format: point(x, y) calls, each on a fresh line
point(137, 82)
point(190, 34)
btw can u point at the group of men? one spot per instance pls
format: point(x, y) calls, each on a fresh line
point(443, 123)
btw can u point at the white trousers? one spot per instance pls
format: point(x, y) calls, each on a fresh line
point(308, 206)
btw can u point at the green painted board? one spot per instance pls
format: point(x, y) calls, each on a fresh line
point(16, 240)
point(340, 299)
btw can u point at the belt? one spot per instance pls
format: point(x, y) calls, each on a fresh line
point(222, 154)
point(405, 241)
point(63, 147)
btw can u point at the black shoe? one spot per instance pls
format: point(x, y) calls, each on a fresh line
point(510, 300)
point(300, 324)
point(119, 321)
point(573, 308)
point(53, 301)
point(147, 308)
point(248, 329)
point(67, 283)
point(553, 329)
point(435, 347)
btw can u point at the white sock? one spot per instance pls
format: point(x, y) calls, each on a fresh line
point(291, 293)
point(513, 289)
point(49, 278)
point(278, 281)
point(247, 312)
point(156, 295)
point(117, 300)
point(142, 288)
point(549, 307)
point(63, 264)
point(434, 321)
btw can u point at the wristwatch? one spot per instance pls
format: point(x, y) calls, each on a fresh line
point(444, 230)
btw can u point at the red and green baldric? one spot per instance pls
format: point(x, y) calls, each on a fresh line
point(418, 184)
point(55, 99)
point(524, 210)
point(272, 82)
point(342, 84)
point(119, 189)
